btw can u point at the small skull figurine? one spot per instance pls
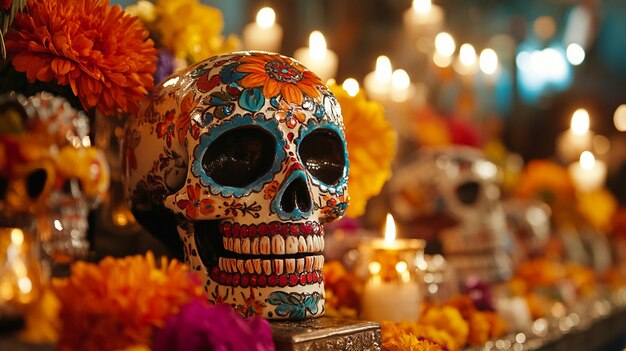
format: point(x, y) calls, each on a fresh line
point(244, 156)
point(49, 171)
point(459, 183)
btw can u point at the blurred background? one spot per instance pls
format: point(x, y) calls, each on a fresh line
point(553, 57)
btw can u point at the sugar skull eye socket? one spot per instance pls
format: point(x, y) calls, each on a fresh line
point(240, 156)
point(36, 182)
point(323, 155)
point(468, 192)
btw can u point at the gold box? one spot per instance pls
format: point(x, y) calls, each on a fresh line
point(326, 333)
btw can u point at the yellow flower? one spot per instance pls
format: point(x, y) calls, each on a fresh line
point(191, 30)
point(598, 208)
point(394, 330)
point(371, 147)
point(410, 343)
point(116, 304)
point(448, 319)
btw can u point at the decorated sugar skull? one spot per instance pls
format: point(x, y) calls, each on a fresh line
point(459, 187)
point(241, 158)
point(458, 181)
point(49, 171)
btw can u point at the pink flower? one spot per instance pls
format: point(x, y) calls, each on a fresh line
point(200, 326)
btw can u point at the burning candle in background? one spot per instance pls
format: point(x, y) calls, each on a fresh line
point(423, 18)
point(393, 291)
point(21, 275)
point(467, 62)
point(444, 49)
point(377, 83)
point(351, 86)
point(264, 34)
point(577, 138)
point(317, 57)
point(588, 173)
point(401, 88)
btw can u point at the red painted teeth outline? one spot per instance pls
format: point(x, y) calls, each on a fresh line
point(245, 280)
point(236, 230)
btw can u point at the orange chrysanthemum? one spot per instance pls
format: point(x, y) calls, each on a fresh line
point(103, 54)
point(410, 343)
point(392, 332)
point(448, 319)
point(279, 75)
point(115, 304)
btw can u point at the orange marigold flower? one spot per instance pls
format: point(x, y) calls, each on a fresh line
point(116, 304)
point(394, 330)
point(102, 53)
point(410, 343)
point(279, 75)
point(448, 319)
point(547, 181)
point(479, 329)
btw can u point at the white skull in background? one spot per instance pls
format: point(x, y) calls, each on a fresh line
point(49, 171)
point(245, 155)
point(455, 180)
point(458, 182)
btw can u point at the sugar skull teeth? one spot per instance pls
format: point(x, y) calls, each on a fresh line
point(284, 254)
point(272, 238)
point(276, 266)
point(243, 156)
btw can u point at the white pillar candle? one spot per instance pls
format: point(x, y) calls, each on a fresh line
point(377, 83)
point(398, 299)
point(317, 57)
point(264, 34)
point(423, 18)
point(391, 301)
point(588, 173)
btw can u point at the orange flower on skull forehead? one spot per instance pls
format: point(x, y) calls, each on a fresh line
point(279, 75)
point(103, 54)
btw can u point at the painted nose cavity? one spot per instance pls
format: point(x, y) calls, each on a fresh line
point(293, 200)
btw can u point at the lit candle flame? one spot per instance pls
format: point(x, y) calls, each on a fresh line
point(580, 121)
point(422, 6)
point(488, 61)
point(383, 69)
point(351, 86)
point(17, 236)
point(444, 43)
point(390, 229)
point(587, 161)
point(467, 54)
point(317, 45)
point(400, 80)
point(266, 17)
